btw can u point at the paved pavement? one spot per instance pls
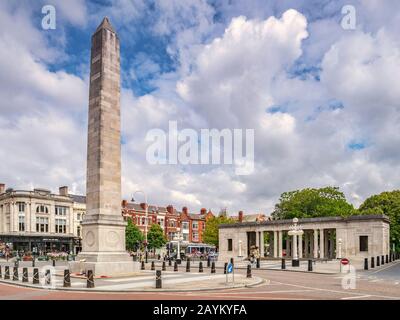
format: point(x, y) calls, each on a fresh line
point(375, 284)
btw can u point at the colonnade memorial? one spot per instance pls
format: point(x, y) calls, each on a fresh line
point(326, 238)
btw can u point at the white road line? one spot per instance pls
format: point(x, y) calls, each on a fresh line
point(382, 269)
point(356, 297)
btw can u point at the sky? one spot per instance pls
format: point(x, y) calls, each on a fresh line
point(322, 100)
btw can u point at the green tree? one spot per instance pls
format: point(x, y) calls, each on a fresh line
point(156, 237)
point(133, 235)
point(310, 203)
point(210, 235)
point(387, 203)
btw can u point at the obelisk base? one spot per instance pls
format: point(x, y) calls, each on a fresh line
point(104, 264)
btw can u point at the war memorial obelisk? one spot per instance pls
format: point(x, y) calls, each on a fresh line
point(103, 227)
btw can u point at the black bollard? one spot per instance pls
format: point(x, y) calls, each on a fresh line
point(54, 262)
point(6, 273)
point(366, 264)
point(164, 268)
point(35, 276)
point(143, 267)
point(33, 262)
point(48, 277)
point(387, 258)
point(169, 262)
point(377, 261)
point(67, 279)
point(25, 275)
point(225, 267)
point(232, 261)
point(90, 280)
point(208, 261)
point(383, 260)
point(372, 262)
point(258, 263)
point(248, 271)
point(153, 267)
point(283, 264)
point(200, 266)
point(158, 280)
point(175, 266)
point(188, 265)
point(310, 267)
point(15, 274)
point(213, 267)
point(1, 276)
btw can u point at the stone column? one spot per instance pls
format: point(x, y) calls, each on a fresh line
point(280, 242)
point(275, 244)
point(262, 246)
point(321, 244)
point(300, 246)
point(315, 246)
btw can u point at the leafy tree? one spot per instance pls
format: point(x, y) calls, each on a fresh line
point(310, 203)
point(387, 203)
point(210, 235)
point(156, 237)
point(133, 235)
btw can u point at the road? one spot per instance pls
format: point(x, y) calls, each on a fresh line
point(376, 284)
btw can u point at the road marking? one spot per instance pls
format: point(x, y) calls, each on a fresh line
point(356, 297)
point(382, 269)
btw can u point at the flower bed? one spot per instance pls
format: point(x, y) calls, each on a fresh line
point(57, 255)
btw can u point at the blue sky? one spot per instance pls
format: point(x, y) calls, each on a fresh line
point(323, 100)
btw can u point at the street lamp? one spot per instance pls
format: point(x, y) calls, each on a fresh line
point(178, 237)
point(295, 230)
point(146, 222)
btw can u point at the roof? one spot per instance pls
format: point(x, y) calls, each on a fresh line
point(105, 24)
point(307, 220)
point(78, 198)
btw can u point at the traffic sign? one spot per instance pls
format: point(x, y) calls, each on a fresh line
point(344, 261)
point(229, 268)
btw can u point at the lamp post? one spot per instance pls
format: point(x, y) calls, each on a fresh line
point(295, 230)
point(178, 237)
point(146, 222)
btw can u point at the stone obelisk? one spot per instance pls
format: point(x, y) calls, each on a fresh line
point(103, 227)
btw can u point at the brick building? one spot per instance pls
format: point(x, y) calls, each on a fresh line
point(170, 219)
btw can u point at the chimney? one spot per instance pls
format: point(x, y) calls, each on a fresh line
point(124, 203)
point(185, 210)
point(2, 188)
point(170, 209)
point(240, 216)
point(63, 191)
point(203, 211)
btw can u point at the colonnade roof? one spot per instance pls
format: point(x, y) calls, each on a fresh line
point(304, 221)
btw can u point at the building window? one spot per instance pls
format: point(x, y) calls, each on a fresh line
point(21, 224)
point(185, 225)
point(61, 211)
point(41, 208)
point(79, 216)
point(186, 237)
point(21, 206)
point(363, 243)
point(171, 223)
point(229, 244)
point(42, 224)
point(195, 225)
point(78, 231)
point(61, 226)
point(195, 236)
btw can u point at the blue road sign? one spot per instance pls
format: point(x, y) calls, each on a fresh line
point(229, 268)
